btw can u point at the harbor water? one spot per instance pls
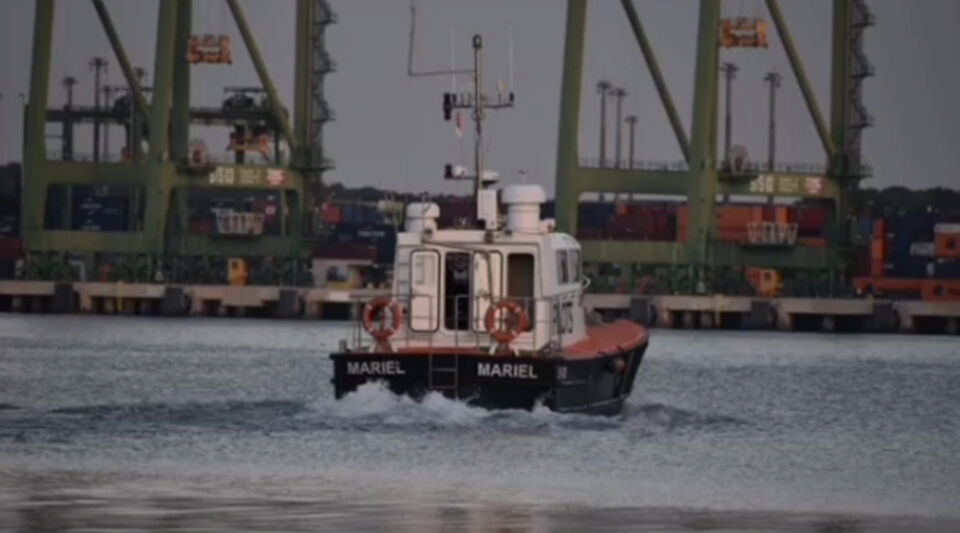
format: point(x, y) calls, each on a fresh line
point(230, 425)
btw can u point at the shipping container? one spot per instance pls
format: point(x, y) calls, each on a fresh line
point(947, 269)
point(345, 251)
point(947, 245)
point(812, 242)
point(923, 249)
point(909, 266)
point(877, 249)
point(588, 233)
point(893, 288)
point(860, 265)
point(594, 214)
point(863, 229)
point(99, 213)
point(9, 226)
point(947, 227)
point(331, 214)
point(812, 221)
point(11, 248)
point(879, 228)
point(941, 290)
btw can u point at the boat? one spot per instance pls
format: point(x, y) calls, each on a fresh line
point(491, 313)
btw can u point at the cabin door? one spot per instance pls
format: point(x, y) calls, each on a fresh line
point(424, 311)
point(487, 285)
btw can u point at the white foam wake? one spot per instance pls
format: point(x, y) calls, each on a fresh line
point(374, 403)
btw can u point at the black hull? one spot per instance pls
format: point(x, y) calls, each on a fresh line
point(592, 385)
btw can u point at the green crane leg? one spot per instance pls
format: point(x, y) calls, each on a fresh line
point(303, 74)
point(34, 147)
point(276, 108)
point(840, 118)
point(840, 84)
point(658, 79)
point(797, 65)
point(702, 182)
point(118, 50)
point(163, 80)
point(567, 196)
point(180, 118)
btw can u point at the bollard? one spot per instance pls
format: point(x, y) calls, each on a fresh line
point(829, 324)
point(884, 318)
point(288, 304)
point(761, 315)
point(640, 311)
point(174, 302)
point(64, 300)
point(707, 319)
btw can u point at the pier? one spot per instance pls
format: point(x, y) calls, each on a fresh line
point(828, 315)
point(151, 299)
point(661, 311)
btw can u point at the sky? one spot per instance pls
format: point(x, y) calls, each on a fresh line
point(389, 130)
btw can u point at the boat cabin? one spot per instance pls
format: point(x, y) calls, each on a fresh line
point(513, 284)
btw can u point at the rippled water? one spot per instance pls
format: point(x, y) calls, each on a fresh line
point(230, 425)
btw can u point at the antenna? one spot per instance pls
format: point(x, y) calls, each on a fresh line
point(477, 102)
point(510, 57)
point(453, 59)
point(413, 37)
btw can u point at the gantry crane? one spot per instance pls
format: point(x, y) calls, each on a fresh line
point(701, 262)
point(157, 185)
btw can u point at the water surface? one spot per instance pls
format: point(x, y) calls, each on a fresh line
point(229, 424)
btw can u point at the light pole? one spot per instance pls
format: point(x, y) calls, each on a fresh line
point(67, 147)
point(618, 93)
point(773, 79)
point(603, 88)
point(107, 97)
point(97, 64)
point(134, 138)
point(729, 72)
point(631, 121)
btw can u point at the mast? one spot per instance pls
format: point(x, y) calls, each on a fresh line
point(478, 120)
point(474, 102)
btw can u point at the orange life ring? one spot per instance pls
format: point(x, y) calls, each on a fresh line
point(509, 329)
point(375, 327)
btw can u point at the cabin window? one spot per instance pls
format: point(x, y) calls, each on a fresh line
point(423, 312)
point(563, 271)
point(521, 279)
point(575, 268)
point(456, 273)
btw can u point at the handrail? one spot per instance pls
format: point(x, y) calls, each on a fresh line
point(545, 316)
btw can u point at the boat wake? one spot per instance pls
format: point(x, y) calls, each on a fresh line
point(373, 407)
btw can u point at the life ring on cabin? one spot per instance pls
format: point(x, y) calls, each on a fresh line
point(375, 327)
point(511, 325)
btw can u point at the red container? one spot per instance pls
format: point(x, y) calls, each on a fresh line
point(10, 248)
point(947, 245)
point(812, 242)
point(879, 228)
point(812, 219)
point(878, 249)
point(732, 234)
point(735, 216)
point(331, 214)
point(769, 213)
point(938, 290)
